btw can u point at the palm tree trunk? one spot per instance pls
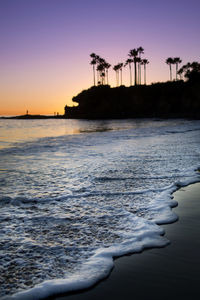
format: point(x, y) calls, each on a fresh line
point(107, 76)
point(139, 73)
point(118, 78)
point(135, 65)
point(144, 74)
point(121, 75)
point(102, 78)
point(130, 74)
point(94, 74)
point(170, 68)
point(176, 71)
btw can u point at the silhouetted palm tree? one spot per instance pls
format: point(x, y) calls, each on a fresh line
point(128, 62)
point(116, 69)
point(107, 66)
point(184, 69)
point(140, 51)
point(100, 67)
point(190, 70)
point(134, 54)
point(177, 61)
point(139, 60)
point(98, 73)
point(120, 66)
point(101, 61)
point(93, 63)
point(101, 70)
point(170, 61)
point(144, 63)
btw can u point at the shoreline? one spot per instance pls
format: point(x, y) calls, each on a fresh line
point(169, 272)
point(32, 117)
point(63, 117)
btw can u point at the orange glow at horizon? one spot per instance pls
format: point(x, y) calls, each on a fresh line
point(46, 46)
point(40, 89)
point(46, 89)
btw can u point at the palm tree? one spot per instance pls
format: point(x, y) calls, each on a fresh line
point(190, 70)
point(180, 73)
point(144, 63)
point(98, 73)
point(101, 70)
point(93, 63)
point(177, 61)
point(134, 54)
point(128, 62)
point(170, 61)
point(139, 60)
point(116, 69)
point(107, 66)
point(120, 66)
point(140, 51)
point(184, 69)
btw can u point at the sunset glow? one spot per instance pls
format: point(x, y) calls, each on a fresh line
point(45, 45)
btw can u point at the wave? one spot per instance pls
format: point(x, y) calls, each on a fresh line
point(71, 204)
point(150, 129)
point(83, 193)
point(147, 234)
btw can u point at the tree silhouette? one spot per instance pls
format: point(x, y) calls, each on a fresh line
point(116, 69)
point(120, 66)
point(93, 63)
point(134, 55)
point(107, 66)
point(102, 67)
point(128, 62)
point(140, 51)
point(101, 70)
point(177, 61)
point(144, 63)
point(191, 71)
point(139, 60)
point(169, 61)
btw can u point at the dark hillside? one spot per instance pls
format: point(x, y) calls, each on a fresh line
point(168, 100)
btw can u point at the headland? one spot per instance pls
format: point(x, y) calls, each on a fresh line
point(177, 99)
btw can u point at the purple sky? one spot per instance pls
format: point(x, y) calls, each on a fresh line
point(45, 45)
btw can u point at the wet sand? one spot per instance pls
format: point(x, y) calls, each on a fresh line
point(172, 272)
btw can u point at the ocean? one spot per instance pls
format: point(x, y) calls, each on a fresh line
point(76, 193)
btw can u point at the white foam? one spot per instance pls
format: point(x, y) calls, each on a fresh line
point(93, 197)
point(99, 265)
point(148, 235)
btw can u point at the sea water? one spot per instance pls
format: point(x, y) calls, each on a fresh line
point(74, 194)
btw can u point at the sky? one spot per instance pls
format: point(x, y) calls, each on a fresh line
point(45, 45)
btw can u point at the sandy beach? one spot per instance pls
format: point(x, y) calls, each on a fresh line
point(166, 273)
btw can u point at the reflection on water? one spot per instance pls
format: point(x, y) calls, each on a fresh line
point(18, 131)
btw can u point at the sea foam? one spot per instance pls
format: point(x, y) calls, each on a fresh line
point(70, 204)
